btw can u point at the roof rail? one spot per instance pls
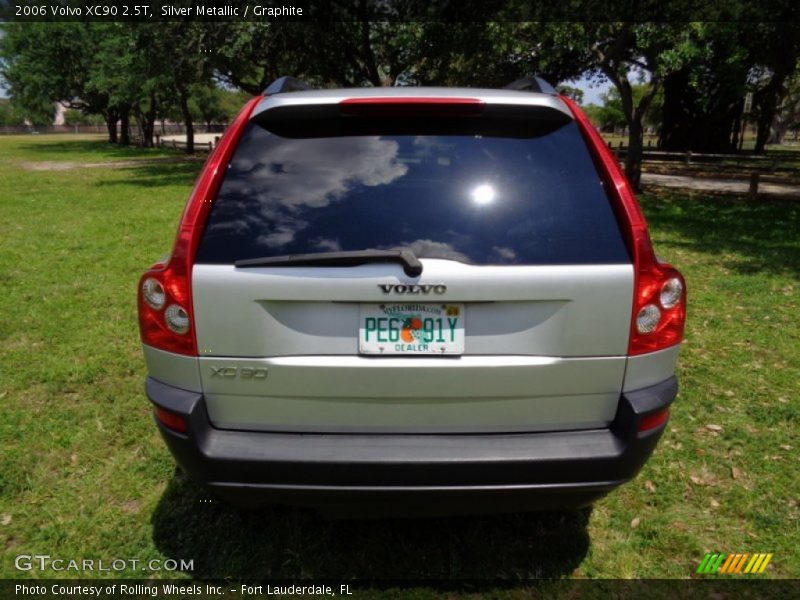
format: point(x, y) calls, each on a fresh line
point(531, 83)
point(286, 84)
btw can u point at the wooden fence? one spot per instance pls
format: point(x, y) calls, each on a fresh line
point(178, 145)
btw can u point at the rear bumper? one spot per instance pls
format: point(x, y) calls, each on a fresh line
point(456, 472)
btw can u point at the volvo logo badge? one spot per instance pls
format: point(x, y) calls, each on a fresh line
point(424, 289)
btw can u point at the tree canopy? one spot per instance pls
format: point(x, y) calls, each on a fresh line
point(687, 80)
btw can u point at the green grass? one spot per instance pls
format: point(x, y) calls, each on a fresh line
point(84, 474)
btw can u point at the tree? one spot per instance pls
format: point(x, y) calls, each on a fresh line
point(788, 114)
point(625, 53)
point(494, 54)
point(77, 117)
point(703, 97)
point(179, 74)
point(231, 102)
point(54, 62)
point(8, 117)
point(114, 72)
point(250, 55)
point(573, 93)
point(344, 53)
point(40, 113)
point(351, 52)
point(776, 49)
point(10, 114)
point(212, 104)
point(122, 71)
point(611, 116)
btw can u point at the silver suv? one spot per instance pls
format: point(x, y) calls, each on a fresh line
point(412, 299)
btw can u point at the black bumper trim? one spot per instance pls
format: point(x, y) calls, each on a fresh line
point(297, 466)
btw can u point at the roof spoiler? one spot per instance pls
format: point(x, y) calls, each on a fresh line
point(531, 83)
point(286, 84)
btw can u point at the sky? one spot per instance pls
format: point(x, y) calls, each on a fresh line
point(591, 91)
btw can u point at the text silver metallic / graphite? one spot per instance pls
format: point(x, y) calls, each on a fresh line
point(201, 10)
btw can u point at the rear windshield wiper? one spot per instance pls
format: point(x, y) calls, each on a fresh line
point(411, 264)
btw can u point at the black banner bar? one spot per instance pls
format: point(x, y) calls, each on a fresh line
point(401, 10)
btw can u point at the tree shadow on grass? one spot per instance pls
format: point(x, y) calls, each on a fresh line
point(64, 147)
point(231, 543)
point(750, 234)
point(151, 167)
point(159, 173)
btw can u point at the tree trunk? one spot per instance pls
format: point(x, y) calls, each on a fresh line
point(634, 117)
point(149, 130)
point(139, 119)
point(769, 100)
point(187, 120)
point(633, 159)
point(146, 128)
point(111, 126)
point(695, 122)
point(368, 54)
point(125, 134)
point(740, 144)
point(763, 123)
point(149, 123)
point(737, 126)
point(778, 130)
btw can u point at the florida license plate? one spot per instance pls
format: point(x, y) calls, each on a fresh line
point(411, 329)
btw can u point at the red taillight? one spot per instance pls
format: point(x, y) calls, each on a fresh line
point(170, 325)
point(668, 328)
point(648, 334)
point(153, 324)
point(412, 107)
point(170, 419)
point(653, 420)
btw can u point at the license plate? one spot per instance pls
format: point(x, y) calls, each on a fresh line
point(411, 329)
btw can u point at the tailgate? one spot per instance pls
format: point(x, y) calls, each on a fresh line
point(544, 349)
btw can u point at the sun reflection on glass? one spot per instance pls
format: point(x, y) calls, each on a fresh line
point(483, 194)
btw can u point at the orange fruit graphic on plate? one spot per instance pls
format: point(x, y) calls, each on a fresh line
point(413, 323)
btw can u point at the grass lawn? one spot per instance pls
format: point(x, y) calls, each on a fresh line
point(83, 473)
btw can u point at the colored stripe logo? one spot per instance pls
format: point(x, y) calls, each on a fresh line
point(730, 564)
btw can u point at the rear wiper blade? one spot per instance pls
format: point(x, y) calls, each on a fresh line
point(411, 264)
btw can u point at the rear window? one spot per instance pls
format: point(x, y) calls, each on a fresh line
point(478, 192)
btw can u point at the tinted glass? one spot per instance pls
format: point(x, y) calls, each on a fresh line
point(476, 192)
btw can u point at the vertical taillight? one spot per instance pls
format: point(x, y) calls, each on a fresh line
point(659, 297)
point(156, 319)
point(165, 290)
point(659, 307)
